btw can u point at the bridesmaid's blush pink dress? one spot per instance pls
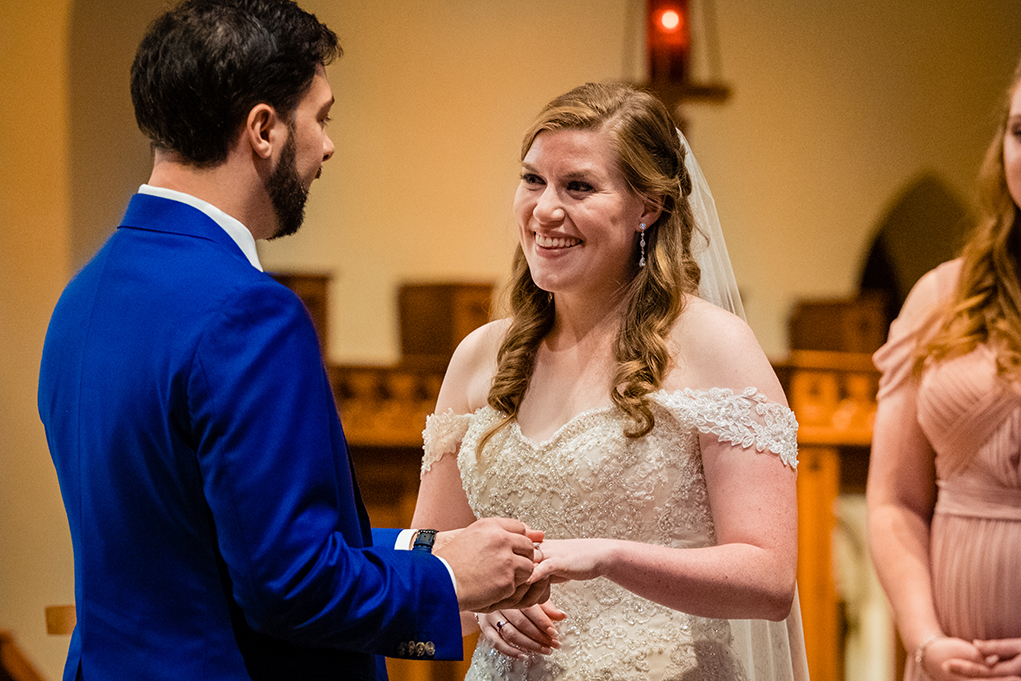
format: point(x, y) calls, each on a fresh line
point(971, 420)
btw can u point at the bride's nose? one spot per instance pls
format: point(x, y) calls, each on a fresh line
point(549, 209)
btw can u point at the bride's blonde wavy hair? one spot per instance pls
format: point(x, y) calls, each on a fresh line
point(650, 157)
point(987, 303)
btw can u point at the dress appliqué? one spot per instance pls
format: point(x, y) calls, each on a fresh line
point(442, 436)
point(719, 412)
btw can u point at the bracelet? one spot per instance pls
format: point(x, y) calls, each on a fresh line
point(923, 646)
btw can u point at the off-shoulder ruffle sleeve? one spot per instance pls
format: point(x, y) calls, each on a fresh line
point(896, 359)
point(442, 436)
point(747, 419)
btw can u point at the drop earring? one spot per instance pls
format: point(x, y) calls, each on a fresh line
point(641, 230)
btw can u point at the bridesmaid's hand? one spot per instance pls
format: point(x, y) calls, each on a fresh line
point(999, 659)
point(516, 633)
point(944, 652)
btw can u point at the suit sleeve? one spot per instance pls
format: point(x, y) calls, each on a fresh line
point(278, 482)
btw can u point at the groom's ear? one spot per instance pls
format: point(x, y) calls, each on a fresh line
point(263, 131)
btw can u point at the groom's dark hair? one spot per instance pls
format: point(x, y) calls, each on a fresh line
point(201, 68)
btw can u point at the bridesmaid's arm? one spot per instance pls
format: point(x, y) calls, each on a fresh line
point(901, 495)
point(901, 491)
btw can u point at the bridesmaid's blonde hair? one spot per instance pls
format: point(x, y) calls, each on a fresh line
point(650, 156)
point(987, 304)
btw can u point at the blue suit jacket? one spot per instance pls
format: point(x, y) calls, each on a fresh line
point(217, 527)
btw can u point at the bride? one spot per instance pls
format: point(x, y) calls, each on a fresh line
point(636, 423)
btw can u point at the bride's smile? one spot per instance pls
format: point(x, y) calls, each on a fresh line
point(577, 215)
point(555, 242)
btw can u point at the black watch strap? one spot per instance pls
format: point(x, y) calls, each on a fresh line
point(424, 540)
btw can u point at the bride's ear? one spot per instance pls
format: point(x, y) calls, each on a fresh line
point(653, 208)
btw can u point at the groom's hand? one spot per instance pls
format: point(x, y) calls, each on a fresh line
point(492, 562)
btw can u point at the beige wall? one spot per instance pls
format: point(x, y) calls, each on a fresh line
point(35, 547)
point(836, 106)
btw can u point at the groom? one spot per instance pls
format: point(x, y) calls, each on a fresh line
point(217, 527)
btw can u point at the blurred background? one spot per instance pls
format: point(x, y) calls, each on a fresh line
point(840, 138)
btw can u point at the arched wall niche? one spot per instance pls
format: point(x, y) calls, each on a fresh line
point(923, 226)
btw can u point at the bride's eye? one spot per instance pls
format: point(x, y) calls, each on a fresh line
point(531, 178)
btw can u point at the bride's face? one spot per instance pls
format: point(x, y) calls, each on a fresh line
point(577, 217)
point(1012, 148)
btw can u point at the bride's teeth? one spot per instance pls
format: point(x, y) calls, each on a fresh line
point(550, 242)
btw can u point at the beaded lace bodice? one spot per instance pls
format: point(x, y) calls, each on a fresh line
point(590, 480)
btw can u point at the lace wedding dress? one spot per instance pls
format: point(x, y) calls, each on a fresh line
point(589, 480)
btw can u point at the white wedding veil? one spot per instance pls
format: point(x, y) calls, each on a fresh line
point(769, 651)
point(718, 284)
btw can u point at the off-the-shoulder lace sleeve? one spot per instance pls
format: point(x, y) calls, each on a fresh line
point(747, 419)
point(442, 436)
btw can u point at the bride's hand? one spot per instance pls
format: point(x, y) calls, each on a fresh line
point(518, 632)
point(567, 559)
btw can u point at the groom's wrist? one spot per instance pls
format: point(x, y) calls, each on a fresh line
point(423, 540)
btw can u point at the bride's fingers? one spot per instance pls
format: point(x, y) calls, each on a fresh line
point(532, 631)
point(493, 631)
point(541, 620)
point(552, 612)
point(515, 635)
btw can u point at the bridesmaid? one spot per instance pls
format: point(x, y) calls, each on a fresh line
point(944, 490)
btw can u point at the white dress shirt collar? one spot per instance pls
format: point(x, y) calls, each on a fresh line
point(235, 230)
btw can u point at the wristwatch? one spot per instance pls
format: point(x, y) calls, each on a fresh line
point(424, 540)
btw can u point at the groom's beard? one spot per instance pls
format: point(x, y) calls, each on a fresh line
point(286, 192)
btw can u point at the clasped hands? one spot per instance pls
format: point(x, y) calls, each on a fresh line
point(955, 659)
point(504, 570)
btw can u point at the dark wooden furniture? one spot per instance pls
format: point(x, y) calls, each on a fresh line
point(313, 289)
point(856, 324)
point(831, 384)
point(434, 318)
